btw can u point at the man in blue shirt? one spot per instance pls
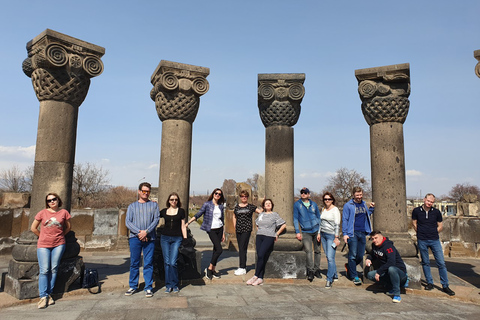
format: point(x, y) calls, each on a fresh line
point(355, 227)
point(307, 217)
point(427, 221)
point(141, 220)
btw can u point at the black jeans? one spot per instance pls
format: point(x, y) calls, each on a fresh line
point(216, 238)
point(243, 239)
point(264, 248)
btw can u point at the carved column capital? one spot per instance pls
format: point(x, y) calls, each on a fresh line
point(61, 66)
point(177, 88)
point(279, 98)
point(384, 93)
point(476, 54)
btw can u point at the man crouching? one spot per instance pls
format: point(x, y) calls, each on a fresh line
point(391, 270)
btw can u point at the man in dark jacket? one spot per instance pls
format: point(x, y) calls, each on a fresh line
point(391, 268)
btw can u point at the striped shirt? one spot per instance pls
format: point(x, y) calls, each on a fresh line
point(142, 216)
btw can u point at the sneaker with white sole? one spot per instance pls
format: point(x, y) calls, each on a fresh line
point(130, 292)
point(240, 271)
point(42, 304)
point(357, 281)
point(216, 275)
point(208, 274)
point(397, 299)
point(148, 293)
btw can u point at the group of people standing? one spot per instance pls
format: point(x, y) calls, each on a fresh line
point(356, 226)
point(311, 227)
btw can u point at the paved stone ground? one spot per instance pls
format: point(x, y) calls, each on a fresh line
point(238, 301)
point(230, 298)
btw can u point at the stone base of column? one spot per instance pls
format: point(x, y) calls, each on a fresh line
point(22, 278)
point(288, 242)
point(68, 272)
point(286, 265)
point(414, 272)
point(21, 288)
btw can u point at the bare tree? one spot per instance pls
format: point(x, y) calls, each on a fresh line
point(89, 181)
point(28, 173)
point(342, 183)
point(253, 182)
point(460, 190)
point(118, 197)
point(13, 180)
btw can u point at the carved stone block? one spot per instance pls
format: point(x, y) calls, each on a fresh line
point(286, 265)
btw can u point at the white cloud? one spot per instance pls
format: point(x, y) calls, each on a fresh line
point(313, 175)
point(413, 173)
point(13, 152)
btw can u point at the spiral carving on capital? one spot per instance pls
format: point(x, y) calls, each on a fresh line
point(177, 94)
point(477, 69)
point(61, 72)
point(279, 102)
point(385, 101)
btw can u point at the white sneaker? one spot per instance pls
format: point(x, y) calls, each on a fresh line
point(240, 271)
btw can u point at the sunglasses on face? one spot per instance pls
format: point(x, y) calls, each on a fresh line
point(218, 193)
point(145, 191)
point(51, 200)
point(303, 192)
point(243, 197)
point(173, 199)
point(327, 199)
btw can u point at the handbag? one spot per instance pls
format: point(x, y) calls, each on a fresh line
point(90, 279)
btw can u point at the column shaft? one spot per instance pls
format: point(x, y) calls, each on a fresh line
point(388, 177)
point(279, 170)
point(54, 154)
point(175, 160)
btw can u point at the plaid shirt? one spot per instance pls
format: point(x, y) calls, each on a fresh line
point(207, 211)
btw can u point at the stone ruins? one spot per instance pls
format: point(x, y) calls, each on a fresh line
point(61, 67)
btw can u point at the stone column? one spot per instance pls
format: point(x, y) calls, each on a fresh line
point(279, 98)
point(60, 67)
point(476, 54)
point(384, 92)
point(177, 90)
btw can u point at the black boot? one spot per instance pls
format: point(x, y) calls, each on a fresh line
point(311, 275)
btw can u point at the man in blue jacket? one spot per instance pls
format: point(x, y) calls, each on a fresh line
point(307, 217)
point(391, 269)
point(355, 226)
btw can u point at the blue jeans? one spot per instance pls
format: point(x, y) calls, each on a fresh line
point(309, 241)
point(136, 248)
point(327, 241)
point(394, 277)
point(48, 261)
point(170, 247)
point(356, 251)
point(437, 251)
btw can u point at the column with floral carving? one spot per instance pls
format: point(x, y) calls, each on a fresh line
point(279, 98)
point(60, 67)
point(384, 92)
point(177, 88)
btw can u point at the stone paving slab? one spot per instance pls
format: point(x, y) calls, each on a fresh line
point(238, 301)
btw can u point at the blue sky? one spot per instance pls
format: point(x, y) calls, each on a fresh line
point(118, 127)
